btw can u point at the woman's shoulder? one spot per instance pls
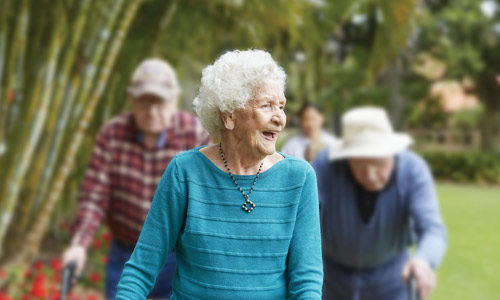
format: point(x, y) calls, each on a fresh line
point(293, 165)
point(187, 158)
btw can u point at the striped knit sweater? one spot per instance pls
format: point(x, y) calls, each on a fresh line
point(223, 252)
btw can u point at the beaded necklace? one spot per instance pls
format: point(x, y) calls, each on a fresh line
point(250, 204)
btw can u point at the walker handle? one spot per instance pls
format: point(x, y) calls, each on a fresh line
point(67, 279)
point(412, 288)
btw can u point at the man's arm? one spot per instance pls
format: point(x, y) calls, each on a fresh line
point(429, 226)
point(424, 210)
point(93, 203)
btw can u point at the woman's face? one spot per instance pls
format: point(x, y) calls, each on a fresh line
point(311, 122)
point(256, 127)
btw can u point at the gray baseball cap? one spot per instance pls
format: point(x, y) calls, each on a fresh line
point(154, 76)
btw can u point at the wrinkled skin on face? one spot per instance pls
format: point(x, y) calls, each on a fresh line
point(255, 128)
point(372, 173)
point(152, 114)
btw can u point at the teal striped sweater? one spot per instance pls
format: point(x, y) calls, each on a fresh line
point(223, 252)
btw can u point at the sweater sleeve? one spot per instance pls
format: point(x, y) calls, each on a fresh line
point(305, 266)
point(424, 210)
point(158, 237)
point(320, 164)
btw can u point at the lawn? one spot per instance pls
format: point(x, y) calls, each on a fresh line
point(471, 267)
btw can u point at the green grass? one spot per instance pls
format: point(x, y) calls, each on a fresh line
point(471, 266)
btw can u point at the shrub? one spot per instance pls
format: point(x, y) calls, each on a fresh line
point(462, 167)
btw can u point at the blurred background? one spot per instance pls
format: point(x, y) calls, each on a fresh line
point(65, 66)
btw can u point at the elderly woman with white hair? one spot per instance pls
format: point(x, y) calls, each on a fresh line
point(242, 218)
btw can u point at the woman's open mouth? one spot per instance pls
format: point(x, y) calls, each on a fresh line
point(270, 135)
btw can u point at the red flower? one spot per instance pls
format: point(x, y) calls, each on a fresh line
point(56, 265)
point(95, 277)
point(97, 243)
point(28, 274)
point(104, 259)
point(3, 275)
point(4, 296)
point(55, 294)
point(92, 297)
point(38, 288)
point(107, 236)
point(38, 265)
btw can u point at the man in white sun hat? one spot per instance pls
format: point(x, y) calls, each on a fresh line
point(130, 155)
point(376, 199)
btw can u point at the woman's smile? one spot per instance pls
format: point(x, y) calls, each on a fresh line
point(270, 135)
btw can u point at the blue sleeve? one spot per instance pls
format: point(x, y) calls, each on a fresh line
point(424, 211)
point(320, 163)
point(157, 238)
point(305, 266)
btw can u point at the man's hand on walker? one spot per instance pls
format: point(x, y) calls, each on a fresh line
point(423, 273)
point(78, 254)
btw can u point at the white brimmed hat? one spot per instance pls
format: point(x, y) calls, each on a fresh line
point(367, 133)
point(154, 77)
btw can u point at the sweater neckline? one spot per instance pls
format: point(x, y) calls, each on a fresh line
point(266, 173)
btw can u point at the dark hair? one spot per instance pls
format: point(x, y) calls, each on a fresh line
point(307, 105)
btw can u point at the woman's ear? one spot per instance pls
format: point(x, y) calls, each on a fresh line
point(227, 120)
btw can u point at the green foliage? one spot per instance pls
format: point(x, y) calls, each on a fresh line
point(467, 119)
point(428, 116)
point(299, 34)
point(471, 167)
point(467, 38)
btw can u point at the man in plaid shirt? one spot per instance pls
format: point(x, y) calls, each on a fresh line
point(129, 157)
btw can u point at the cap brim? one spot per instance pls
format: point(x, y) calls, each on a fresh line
point(376, 148)
point(153, 89)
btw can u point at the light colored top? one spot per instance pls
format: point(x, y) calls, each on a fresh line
point(405, 209)
point(223, 252)
point(297, 146)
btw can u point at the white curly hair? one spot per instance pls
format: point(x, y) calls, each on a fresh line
point(228, 84)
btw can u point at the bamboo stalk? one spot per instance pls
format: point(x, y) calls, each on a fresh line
point(11, 187)
point(26, 152)
point(32, 204)
point(15, 64)
point(35, 235)
point(55, 125)
point(164, 23)
point(92, 66)
point(4, 18)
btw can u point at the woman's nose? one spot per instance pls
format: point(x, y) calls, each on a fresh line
point(278, 118)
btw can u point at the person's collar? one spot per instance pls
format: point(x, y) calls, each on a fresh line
point(160, 143)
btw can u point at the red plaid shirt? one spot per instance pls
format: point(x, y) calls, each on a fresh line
point(121, 179)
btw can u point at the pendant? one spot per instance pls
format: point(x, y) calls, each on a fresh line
point(248, 203)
